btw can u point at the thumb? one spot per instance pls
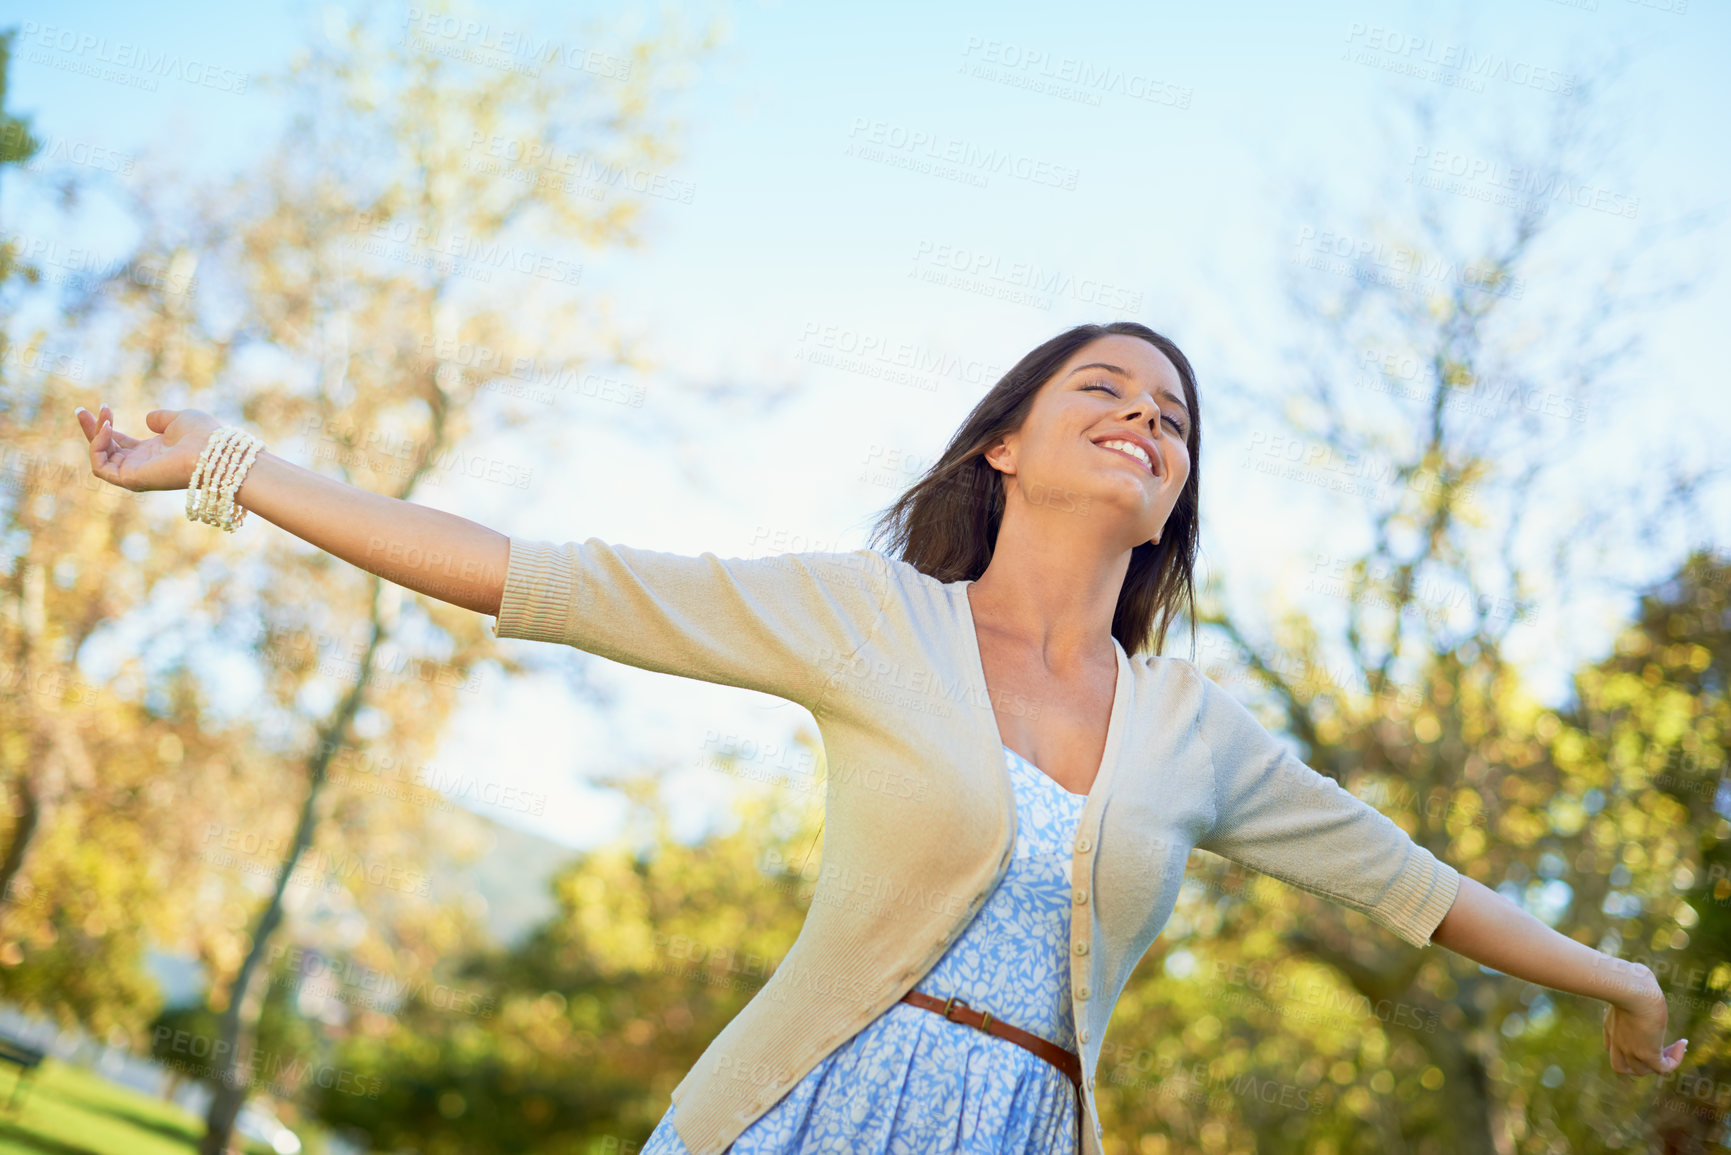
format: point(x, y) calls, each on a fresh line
point(159, 419)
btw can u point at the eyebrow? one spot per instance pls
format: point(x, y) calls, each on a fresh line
point(1122, 372)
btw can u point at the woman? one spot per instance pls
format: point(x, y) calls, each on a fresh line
point(1012, 796)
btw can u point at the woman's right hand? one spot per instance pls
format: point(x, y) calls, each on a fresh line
point(161, 462)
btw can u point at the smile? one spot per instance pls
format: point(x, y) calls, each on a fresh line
point(1128, 449)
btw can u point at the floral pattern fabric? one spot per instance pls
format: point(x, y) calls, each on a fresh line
point(914, 1082)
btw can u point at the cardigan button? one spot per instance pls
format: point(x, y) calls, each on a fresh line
point(1082, 993)
point(1081, 896)
point(1083, 845)
point(1081, 947)
point(1084, 1035)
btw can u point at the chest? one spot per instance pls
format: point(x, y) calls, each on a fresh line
point(1059, 723)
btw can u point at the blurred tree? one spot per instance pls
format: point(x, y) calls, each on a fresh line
point(17, 145)
point(68, 749)
point(372, 255)
point(1649, 727)
point(600, 1011)
point(287, 1041)
point(365, 294)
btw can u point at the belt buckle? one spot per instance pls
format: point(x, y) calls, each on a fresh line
point(985, 1023)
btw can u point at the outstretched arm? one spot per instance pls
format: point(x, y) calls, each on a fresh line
point(1489, 929)
point(428, 550)
point(1280, 816)
point(435, 553)
point(786, 625)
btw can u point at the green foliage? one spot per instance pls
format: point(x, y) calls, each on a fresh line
point(17, 144)
point(602, 1009)
point(68, 1109)
point(182, 1038)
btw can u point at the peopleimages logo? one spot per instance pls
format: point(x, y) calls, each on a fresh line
point(1455, 64)
point(1066, 77)
point(99, 57)
point(1371, 261)
point(446, 34)
point(1022, 282)
point(888, 142)
point(380, 234)
point(1521, 186)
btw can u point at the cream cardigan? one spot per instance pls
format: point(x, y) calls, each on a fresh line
point(920, 818)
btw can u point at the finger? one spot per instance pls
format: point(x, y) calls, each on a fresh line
point(158, 419)
point(1644, 1063)
point(99, 459)
point(86, 422)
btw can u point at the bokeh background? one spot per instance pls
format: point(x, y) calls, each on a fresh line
point(295, 860)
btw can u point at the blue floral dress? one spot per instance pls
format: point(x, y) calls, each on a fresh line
point(915, 1082)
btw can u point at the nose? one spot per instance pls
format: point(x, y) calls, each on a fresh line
point(1142, 406)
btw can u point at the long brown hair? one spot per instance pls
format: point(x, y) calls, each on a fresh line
point(946, 524)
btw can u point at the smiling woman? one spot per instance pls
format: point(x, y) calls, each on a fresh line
point(997, 660)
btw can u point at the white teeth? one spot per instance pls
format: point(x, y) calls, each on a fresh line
point(1129, 447)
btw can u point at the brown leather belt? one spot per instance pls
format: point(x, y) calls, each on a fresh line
point(958, 1011)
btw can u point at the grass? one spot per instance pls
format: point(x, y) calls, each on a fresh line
point(69, 1111)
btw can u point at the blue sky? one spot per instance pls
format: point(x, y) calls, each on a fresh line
point(1168, 194)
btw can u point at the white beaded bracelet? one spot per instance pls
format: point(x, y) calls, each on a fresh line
point(220, 508)
point(221, 462)
point(204, 474)
point(217, 477)
point(237, 456)
point(237, 512)
point(200, 470)
point(198, 492)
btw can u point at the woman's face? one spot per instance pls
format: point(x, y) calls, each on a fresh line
point(1114, 389)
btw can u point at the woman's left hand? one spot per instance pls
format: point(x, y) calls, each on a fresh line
point(1635, 1035)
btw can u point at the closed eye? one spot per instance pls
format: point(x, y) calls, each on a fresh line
point(1177, 425)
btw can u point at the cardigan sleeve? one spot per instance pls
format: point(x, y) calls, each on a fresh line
point(782, 624)
point(1275, 814)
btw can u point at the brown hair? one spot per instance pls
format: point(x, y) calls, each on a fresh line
point(946, 524)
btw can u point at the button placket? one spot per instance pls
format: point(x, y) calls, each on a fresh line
point(1079, 896)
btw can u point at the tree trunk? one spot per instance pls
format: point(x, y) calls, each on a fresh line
point(1466, 1100)
point(1465, 1095)
point(29, 814)
point(238, 1027)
